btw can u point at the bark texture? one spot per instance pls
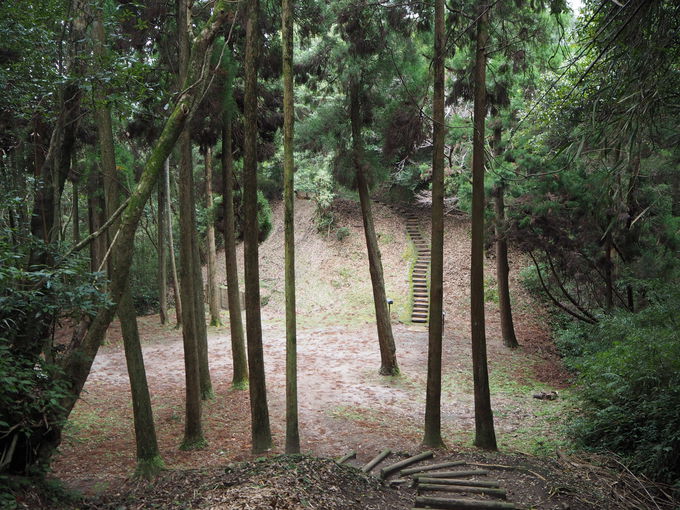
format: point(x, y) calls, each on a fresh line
point(485, 436)
point(292, 426)
point(503, 270)
point(238, 342)
point(261, 432)
point(432, 435)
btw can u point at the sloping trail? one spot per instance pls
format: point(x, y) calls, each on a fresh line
point(344, 403)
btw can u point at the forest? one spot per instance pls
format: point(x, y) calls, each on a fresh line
point(357, 254)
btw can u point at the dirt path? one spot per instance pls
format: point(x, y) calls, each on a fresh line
point(344, 403)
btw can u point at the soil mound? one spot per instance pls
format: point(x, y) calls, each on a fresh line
point(281, 482)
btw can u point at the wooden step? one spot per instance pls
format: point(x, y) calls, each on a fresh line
point(461, 504)
point(487, 491)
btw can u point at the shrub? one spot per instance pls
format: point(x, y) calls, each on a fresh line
point(630, 386)
point(264, 216)
point(29, 400)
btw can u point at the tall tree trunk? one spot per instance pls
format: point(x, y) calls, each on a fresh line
point(96, 212)
point(149, 461)
point(503, 269)
point(238, 342)
point(193, 432)
point(433, 436)
point(76, 212)
point(199, 312)
point(608, 271)
point(388, 356)
point(77, 364)
point(292, 426)
point(502, 265)
point(162, 254)
point(213, 296)
point(485, 437)
point(261, 433)
point(171, 243)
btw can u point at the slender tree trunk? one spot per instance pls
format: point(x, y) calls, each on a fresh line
point(261, 433)
point(96, 211)
point(193, 431)
point(292, 426)
point(162, 254)
point(608, 272)
point(149, 461)
point(171, 243)
point(213, 297)
point(485, 436)
point(76, 213)
point(199, 304)
point(388, 356)
point(502, 265)
point(503, 270)
point(238, 342)
point(433, 436)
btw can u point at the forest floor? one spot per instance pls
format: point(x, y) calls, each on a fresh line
point(344, 404)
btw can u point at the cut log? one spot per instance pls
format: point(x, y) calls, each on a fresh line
point(489, 491)
point(384, 472)
point(376, 460)
point(398, 481)
point(456, 474)
point(462, 504)
point(431, 467)
point(455, 481)
point(345, 458)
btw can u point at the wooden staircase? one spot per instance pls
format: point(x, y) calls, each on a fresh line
point(420, 271)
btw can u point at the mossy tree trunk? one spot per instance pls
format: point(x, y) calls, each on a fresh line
point(148, 455)
point(213, 296)
point(261, 433)
point(433, 437)
point(485, 436)
point(388, 356)
point(292, 425)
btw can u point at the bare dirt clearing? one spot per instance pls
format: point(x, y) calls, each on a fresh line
point(344, 403)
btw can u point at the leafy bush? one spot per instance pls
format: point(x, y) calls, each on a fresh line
point(630, 385)
point(29, 401)
point(264, 216)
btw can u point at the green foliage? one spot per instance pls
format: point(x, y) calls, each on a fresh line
point(264, 216)
point(630, 384)
point(144, 276)
point(30, 400)
point(314, 178)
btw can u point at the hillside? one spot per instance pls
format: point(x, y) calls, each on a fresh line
point(344, 404)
